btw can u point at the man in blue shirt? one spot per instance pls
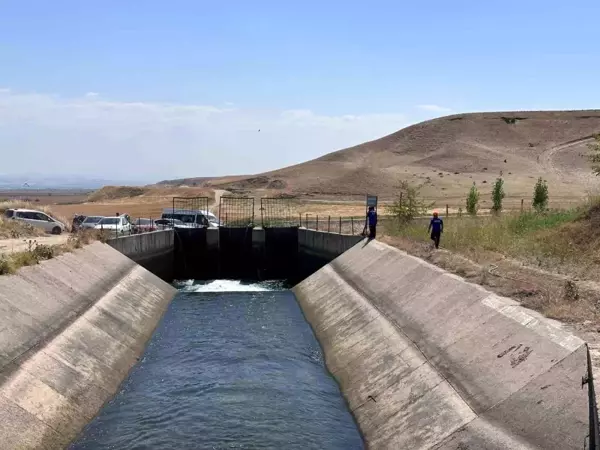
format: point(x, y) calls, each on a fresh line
point(372, 220)
point(436, 226)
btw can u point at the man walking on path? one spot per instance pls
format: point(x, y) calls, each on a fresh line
point(436, 226)
point(372, 220)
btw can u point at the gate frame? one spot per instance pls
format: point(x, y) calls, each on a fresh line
point(250, 201)
point(291, 219)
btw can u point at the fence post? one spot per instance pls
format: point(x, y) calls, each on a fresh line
point(306, 221)
point(352, 220)
point(300, 217)
point(446, 210)
point(340, 224)
point(317, 225)
point(522, 200)
point(329, 224)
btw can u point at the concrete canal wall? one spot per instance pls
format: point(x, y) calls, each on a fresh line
point(427, 360)
point(70, 330)
point(154, 251)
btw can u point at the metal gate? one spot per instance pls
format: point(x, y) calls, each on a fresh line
point(278, 213)
point(187, 206)
point(236, 212)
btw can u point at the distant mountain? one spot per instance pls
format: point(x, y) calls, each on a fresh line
point(38, 181)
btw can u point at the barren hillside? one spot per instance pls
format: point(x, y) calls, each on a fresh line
point(447, 155)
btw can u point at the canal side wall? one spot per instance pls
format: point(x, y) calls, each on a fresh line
point(428, 360)
point(71, 328)
point(154, 251)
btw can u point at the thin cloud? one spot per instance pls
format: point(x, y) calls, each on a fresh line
point(435, 108)
point(93, 136)
point(91, 94)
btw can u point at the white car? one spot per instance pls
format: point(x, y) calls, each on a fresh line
point(116, 225)
point(37, 219)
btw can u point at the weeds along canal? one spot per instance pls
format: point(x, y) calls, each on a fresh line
point(231, 365)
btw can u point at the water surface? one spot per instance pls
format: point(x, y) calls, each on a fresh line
point(230, 366)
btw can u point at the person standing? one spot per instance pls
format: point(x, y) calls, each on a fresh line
point(372, 221)
point(436, 226)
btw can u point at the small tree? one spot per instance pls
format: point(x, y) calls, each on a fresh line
point(409, 203)
point(540, 195)
point(594, 156)
point(498, 195)
point(473, 200)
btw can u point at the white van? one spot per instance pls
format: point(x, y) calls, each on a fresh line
point(191, 218)
point(37, 219)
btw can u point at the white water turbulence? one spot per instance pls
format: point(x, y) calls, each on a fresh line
point(229, 286)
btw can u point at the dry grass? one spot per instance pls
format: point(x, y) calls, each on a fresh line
point(36, 253)
point(547, 261)
point(13, 229)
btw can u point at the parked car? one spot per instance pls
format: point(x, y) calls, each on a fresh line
point(37, 219)
point(90, 222)
point(144, 225)
point(167, 224)
point(116, 225)
point(191, 218)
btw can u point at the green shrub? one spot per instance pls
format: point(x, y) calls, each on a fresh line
point(473, 200)
point(540, 195)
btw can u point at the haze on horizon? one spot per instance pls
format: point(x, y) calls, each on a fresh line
point(194, 88)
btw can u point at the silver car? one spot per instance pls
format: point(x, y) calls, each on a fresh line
point(37, 219)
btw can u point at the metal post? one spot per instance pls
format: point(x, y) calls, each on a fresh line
point(300, 217)
point(306, 221)
point(317, 227)
point(352, 220)
point(340, 224)
point(446, 210)
point(329, 224)
point(522, 200)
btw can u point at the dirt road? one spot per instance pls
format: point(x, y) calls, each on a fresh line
point(22, 244)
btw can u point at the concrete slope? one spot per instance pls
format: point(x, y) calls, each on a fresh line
point(70, 330)
point(427, 360)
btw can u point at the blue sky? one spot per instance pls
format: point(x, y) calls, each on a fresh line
point(181, 88)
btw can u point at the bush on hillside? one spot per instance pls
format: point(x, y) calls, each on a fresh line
point(409, 203)
point(594, 156)
point(473, 200)
point(498, 195)
point(540, 195)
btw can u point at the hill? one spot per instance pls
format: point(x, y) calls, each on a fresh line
point(447, 155)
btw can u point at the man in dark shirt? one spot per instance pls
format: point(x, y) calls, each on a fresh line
point(372, 220)
point(436, 226)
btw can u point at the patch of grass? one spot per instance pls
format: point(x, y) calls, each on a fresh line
point(561, 241)
point(36, 253)
point(13, 229)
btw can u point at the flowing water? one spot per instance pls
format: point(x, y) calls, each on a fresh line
point(230, 366)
